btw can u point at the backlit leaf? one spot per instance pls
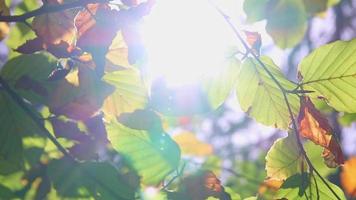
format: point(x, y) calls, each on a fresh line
point(314, 126)
point(347, 175)
point(130, 93)
point(260, 96)
point(305, 186)
point(152, 155)
point(284, 159)
point(330, 71)
point(255, 9)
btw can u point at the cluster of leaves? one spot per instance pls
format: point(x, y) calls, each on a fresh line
point(78, 75)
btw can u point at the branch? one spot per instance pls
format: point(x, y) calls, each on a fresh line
point(47, 8)
point(284, 92)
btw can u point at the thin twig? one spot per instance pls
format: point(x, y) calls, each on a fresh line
point(284, 93)
point(47, 8)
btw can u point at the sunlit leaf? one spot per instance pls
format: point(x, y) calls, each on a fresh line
point(16, 124)
point(307, 186)
point(4, 27)
point(191, 145)
point(130, 93)
point(284, 159)
point(219, 85)
point(330, 71)
point(259, 95)
point(314, 126)
point(314, 153)
point(347, 175)
point(286, 22)
point(152, 155)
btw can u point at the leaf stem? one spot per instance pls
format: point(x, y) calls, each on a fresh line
point(283, 90)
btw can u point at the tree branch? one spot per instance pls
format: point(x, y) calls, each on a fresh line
point(47, 8)
point(284, 92)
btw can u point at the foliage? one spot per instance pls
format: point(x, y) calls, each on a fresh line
point(80, 118)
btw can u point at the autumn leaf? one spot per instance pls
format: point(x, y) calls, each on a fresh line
point(191, 145)
point(348, 175)
point(254, 40)
point(56, 27)
point(314, 126)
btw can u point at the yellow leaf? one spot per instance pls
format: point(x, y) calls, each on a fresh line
point(191, 145)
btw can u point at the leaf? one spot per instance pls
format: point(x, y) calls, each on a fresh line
point(307, 186)
point(97, 26)
point(314, 126)
point(201, 185)
point(130, 93)
point(56, 27)
point(347, 175)
point(80, 95)
point(15, 125)
point(20, 33)
point(152, 155)
point(219, 85)
point(286, 22)
point(314, 153)
point(88, 179)
point(27, 74)
point(146, 120)
point(255, 9)
point(330, 71)
point(260, 96)
point(284, 159)
point(191, 145)
point(118, 53)
point(254, 40)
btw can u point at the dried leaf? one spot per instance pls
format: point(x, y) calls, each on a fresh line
point(314, 126)
point(254, 40)
point(56, 27)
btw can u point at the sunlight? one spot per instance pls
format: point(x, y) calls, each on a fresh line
point(185, 40)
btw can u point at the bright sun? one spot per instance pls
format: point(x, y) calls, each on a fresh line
point(185, 40)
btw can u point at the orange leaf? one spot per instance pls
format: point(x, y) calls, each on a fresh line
point(348, 175)
point(314, 126)
point(191, 145)
point(254, 40)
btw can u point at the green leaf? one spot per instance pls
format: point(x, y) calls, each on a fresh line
point(330, 71)
point(100, 180)
point(286, 22)
point(152, 155)
point(284, 159)
point(347, 119)
point(306, 186)
point(260, 96)
point(6, 193)
point(314, 153)
point(130, 92)
point(255, 9)
point(35, 68)
point(20, 32)
point(219, 86)
point(15, 124)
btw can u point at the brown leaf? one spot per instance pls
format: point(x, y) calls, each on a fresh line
point(202, 185)
point(97, 26)
point(56, 27)
point(4, 27)
point(347, 176)
point(314, 126)
point(31, 46)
